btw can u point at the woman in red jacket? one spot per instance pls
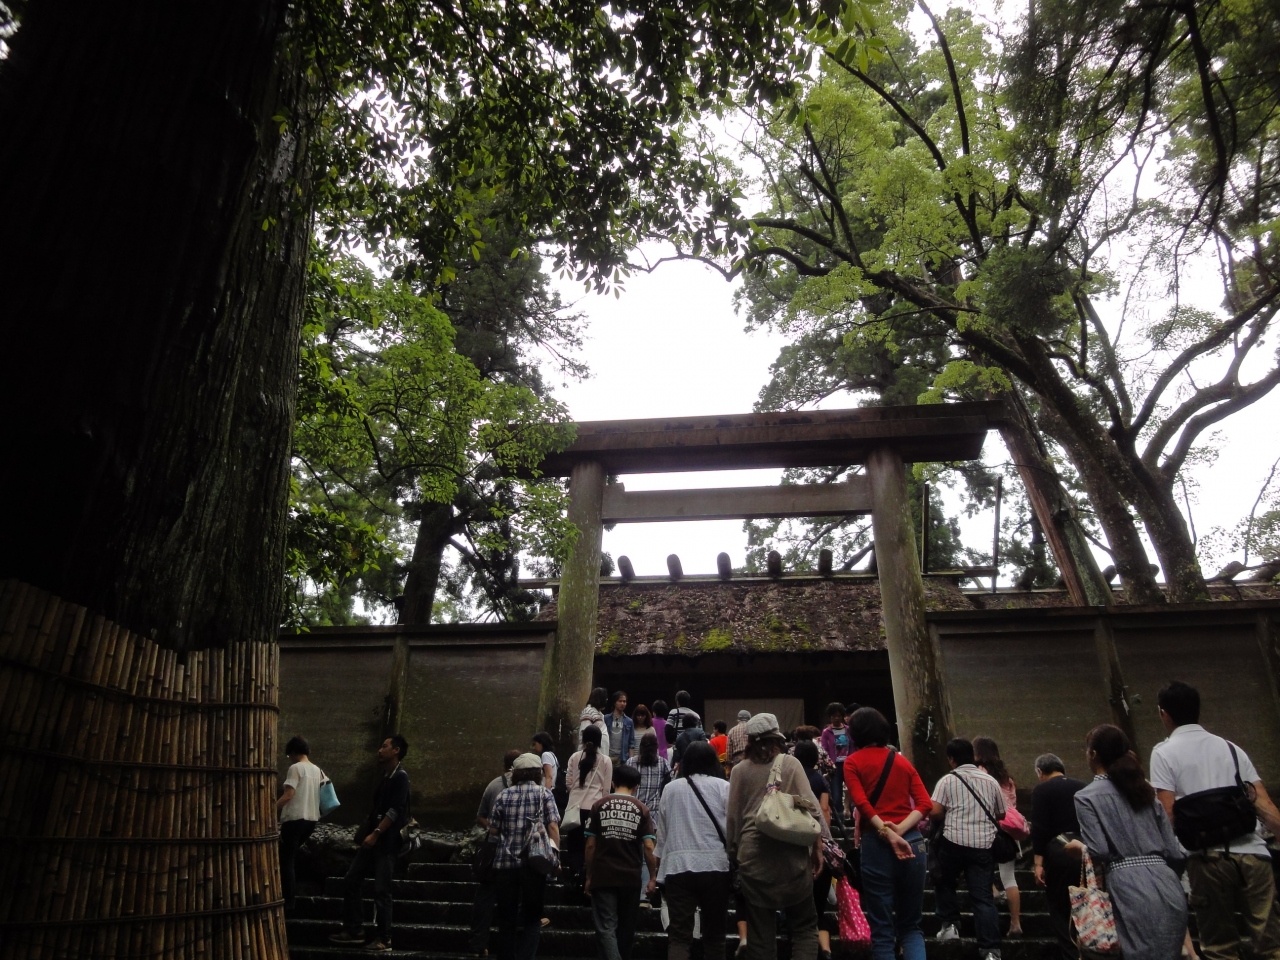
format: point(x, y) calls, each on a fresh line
point(891, 800)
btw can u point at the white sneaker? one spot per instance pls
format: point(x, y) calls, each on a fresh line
point(991, 955)
point(949, 932)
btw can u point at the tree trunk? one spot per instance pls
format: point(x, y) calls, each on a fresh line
point(1113, 513)
point(1171, 539)
point(434, 530)
point(1052, 508)
point(153, 262)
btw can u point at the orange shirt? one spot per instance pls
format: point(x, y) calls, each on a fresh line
point(720, 744)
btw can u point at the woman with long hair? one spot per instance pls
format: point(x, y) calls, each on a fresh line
point(774, 875)
point(642, 718)
point(655, 771)
point(1126, 832)
point(693, 866)
point(891, 801)
point(589, 774)
point(592, 715)
point(987, 754)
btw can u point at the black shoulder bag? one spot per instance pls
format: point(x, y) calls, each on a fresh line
point(1210, 818)
point(874, 795)
point(1003, 848)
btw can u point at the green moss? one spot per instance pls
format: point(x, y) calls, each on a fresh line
point(613, 645)
point(717, 639)
point(635, 606)
point(774, 625)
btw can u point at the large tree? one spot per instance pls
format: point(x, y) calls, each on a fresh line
point(160, 171)
point(410, 430)
point(1035, 203)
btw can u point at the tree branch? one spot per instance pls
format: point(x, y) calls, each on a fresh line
point(1241, 398)
point(1211, 342)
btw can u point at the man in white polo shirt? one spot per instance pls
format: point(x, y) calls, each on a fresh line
point(1236, 873)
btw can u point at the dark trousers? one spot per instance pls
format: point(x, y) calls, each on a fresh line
point(614, 910)
point(836, 782)
point(685, 893)
point(976, 866)
point(383, 864)
point(520, 893)
point(1061, 870)
point(762, 930)
point(482, 916)
point(293, 834)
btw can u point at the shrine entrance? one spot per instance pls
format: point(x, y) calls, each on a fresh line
point(882, 439)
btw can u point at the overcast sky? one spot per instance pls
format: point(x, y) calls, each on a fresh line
point(672, 345)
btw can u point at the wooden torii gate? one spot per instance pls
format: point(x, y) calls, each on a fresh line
point(882, 438)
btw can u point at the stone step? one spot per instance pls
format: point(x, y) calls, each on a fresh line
point(579, 918)
point(452, 941)
point(461, 873)
point(449, 891)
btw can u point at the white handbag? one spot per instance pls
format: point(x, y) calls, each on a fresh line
point(784, 816)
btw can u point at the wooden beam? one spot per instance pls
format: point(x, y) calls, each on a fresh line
point(809, 438)
point(737, 503)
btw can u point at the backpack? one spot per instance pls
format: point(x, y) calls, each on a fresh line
point(1210, 818)
point(539, 852)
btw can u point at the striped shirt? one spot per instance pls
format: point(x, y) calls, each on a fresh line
point(966, 824)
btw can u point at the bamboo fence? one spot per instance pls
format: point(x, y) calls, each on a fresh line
point(136, 791)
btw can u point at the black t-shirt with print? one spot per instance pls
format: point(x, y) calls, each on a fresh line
point(620, 824)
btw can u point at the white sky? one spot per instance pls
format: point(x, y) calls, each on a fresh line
point(672, 345)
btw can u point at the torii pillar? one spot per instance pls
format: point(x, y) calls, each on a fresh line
point(567, 669)
point(915, 668)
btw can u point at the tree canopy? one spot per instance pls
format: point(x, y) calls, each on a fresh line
point(966, 212)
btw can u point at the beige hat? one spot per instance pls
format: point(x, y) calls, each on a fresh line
point(764, 725)
point(527, 761)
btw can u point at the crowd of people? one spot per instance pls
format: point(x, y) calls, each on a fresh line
point(652, 811)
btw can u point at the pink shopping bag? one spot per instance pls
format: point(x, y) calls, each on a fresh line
point(854, 928)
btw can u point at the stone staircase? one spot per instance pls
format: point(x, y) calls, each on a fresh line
point(433, 917)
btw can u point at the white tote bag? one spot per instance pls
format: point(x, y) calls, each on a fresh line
point(784, 816)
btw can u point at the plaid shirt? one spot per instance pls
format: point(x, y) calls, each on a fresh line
point(515, 810)
point(737, 741)
point(966, 824)
point(650, 790)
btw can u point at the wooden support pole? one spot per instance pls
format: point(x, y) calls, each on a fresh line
point(566, 673)
point(398, 687)
point(1113, 680)
point(1071, 551)
point(914, 662)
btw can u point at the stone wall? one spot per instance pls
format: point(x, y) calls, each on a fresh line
point(471, 694)
point(1032, 680)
